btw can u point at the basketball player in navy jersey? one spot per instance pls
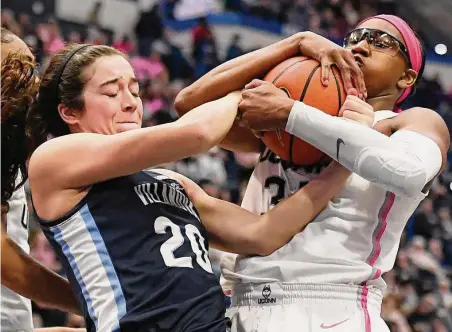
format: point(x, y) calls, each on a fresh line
point(22, 277)
point(132, 243)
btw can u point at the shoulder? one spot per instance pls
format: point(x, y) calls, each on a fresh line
point(426, 122)
point(420, 114)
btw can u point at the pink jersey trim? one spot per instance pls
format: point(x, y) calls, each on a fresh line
point(380, 229)
point(367, 321)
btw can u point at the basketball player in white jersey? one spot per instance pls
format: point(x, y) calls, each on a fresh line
point(329, 275)
point(20, 274)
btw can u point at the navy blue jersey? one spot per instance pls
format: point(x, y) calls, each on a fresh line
point(135, 253)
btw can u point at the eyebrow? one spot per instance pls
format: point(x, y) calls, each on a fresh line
point(116, 79)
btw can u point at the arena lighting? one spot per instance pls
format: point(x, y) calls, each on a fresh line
point(37, 7)
point(441, 49)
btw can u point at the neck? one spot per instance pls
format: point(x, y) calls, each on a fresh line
point(383, 102)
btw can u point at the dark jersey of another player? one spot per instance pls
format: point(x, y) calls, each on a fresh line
point(136, 255)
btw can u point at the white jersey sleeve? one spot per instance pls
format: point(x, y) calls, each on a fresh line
point(16, 312)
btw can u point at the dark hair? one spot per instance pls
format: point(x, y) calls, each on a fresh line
point(19, 89)
point(63, 83)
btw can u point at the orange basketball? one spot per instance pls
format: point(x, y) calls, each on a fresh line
point(299, 77)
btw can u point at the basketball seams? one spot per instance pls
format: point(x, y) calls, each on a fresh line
point(274, 82)
point(286, 69)
point(338, 92)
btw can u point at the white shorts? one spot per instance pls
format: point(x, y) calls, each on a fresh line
point(283, 307)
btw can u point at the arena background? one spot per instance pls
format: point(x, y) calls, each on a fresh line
point(169, 49)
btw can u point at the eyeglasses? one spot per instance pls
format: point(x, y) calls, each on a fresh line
point(378, 40)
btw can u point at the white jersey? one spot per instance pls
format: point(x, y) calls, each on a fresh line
point(354, 240)
point(15, 309)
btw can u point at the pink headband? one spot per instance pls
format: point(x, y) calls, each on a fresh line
point(412, 44)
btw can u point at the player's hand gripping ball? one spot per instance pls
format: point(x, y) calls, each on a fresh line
point(357, 110)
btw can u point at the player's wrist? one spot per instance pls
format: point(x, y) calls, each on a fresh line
point(284, 112)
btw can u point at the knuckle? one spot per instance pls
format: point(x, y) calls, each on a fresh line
point(246, 94)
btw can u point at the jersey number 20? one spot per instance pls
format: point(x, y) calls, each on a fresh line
point(176, 240)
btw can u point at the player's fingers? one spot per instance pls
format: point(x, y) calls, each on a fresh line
point(349, 114)
point(357, 75)
point(345, 71)
point(352, 104)
point(357, 117)
point(358, 105)
point(352, 92)
point(254, 84)
point(325, 71)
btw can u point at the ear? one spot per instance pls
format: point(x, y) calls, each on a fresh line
point(69, 115)
point(408, 79)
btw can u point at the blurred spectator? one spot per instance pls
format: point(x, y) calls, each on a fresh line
point(205, 55)
point(153, 98)
point(425, 315)
point(27, 28)
point(298, 17)
point(148, 29)
point(74, 37)
point(124, 44)
point(149, 67)
point(200, 32)
point(425, 220)
point(50, 35)
point(8, 21)
point(391, 314)
point(93, 16)
point(234, 49)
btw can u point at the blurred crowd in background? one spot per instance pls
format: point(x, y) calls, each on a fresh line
point(419, 294)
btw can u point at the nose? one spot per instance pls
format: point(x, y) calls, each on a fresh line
point(362, 48)
point(130, 102)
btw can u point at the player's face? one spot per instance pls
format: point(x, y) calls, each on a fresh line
point(382, 68)
point(111, 95)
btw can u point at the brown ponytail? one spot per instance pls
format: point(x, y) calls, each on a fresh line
point(19, 88)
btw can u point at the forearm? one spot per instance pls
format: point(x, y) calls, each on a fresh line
point(235, 74)
point(25, 276)
point(215, 118)
point(237, 230)
point(402, 163)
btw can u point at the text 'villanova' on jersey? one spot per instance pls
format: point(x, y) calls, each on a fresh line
point(136, 255)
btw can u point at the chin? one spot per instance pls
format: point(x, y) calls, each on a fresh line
point(122, 127)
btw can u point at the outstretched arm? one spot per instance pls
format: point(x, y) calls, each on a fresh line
point(84, 159)
point(403, 163)
point(234, 229)
point(235, 74)
point(25, 276)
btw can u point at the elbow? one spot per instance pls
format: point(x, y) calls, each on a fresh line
point(202, 138)
point(266, 250)
point(414, 184)
point(262, 245)
point(181, 103)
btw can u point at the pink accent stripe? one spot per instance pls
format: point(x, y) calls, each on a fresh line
point(381, 226)
point(377, 274)
point(364, 293)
